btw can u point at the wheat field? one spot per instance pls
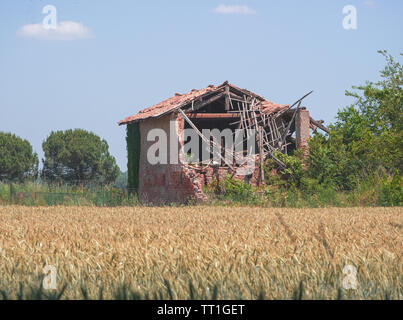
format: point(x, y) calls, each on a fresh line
point(200, 252)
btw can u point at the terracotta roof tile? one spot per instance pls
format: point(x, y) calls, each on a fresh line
point(178, 99)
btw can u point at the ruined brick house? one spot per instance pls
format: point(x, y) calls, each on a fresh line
point(278, 126)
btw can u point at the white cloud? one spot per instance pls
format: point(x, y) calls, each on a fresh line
point(65, 30)
point(369, 3)
point(233, 9)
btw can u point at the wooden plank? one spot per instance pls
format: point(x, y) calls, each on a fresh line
point(298, 101)
point(235, 97)
point(259, 130)
point(289, 124)
point(319, 125)
point(186, 103)
point(212, 115)
point(197, 106)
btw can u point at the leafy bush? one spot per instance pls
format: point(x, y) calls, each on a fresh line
point(391, 193)
point(367, 136)
point(233, 190)
point(292, 175)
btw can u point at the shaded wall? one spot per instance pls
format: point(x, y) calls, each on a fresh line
point(133, 155)
point(165, 183)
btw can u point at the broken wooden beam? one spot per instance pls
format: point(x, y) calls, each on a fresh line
point(319, 125)
point(203, 137)
point(199, 105)
point(212, 115)
point(298, 101)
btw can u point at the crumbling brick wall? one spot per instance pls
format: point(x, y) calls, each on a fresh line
point(179, 182)
point(171, 182)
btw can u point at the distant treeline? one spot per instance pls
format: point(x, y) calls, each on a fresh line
point(71, 156)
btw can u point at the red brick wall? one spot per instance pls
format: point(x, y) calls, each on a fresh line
point(166, 183)
point(302, 126)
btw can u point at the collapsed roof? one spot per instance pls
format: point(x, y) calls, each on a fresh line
point(274, 123)
point(201, 96)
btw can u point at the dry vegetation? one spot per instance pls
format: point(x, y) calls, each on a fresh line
point(201, 252)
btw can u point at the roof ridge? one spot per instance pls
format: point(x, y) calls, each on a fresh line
point(176, 100)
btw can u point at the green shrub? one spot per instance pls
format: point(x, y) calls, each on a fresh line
point(391, 192)
point(44, 194)
point(4, 193)
point(233, 190)
point(291, 175)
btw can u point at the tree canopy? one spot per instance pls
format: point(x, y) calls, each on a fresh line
point(77, 157)
point(363, 149)
point(17, 159)
point(367, 136)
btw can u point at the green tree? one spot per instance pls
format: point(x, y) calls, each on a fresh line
point(78, 156)
point(367, 136)
point(17, 159)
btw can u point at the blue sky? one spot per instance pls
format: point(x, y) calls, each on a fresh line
point(128, 55)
